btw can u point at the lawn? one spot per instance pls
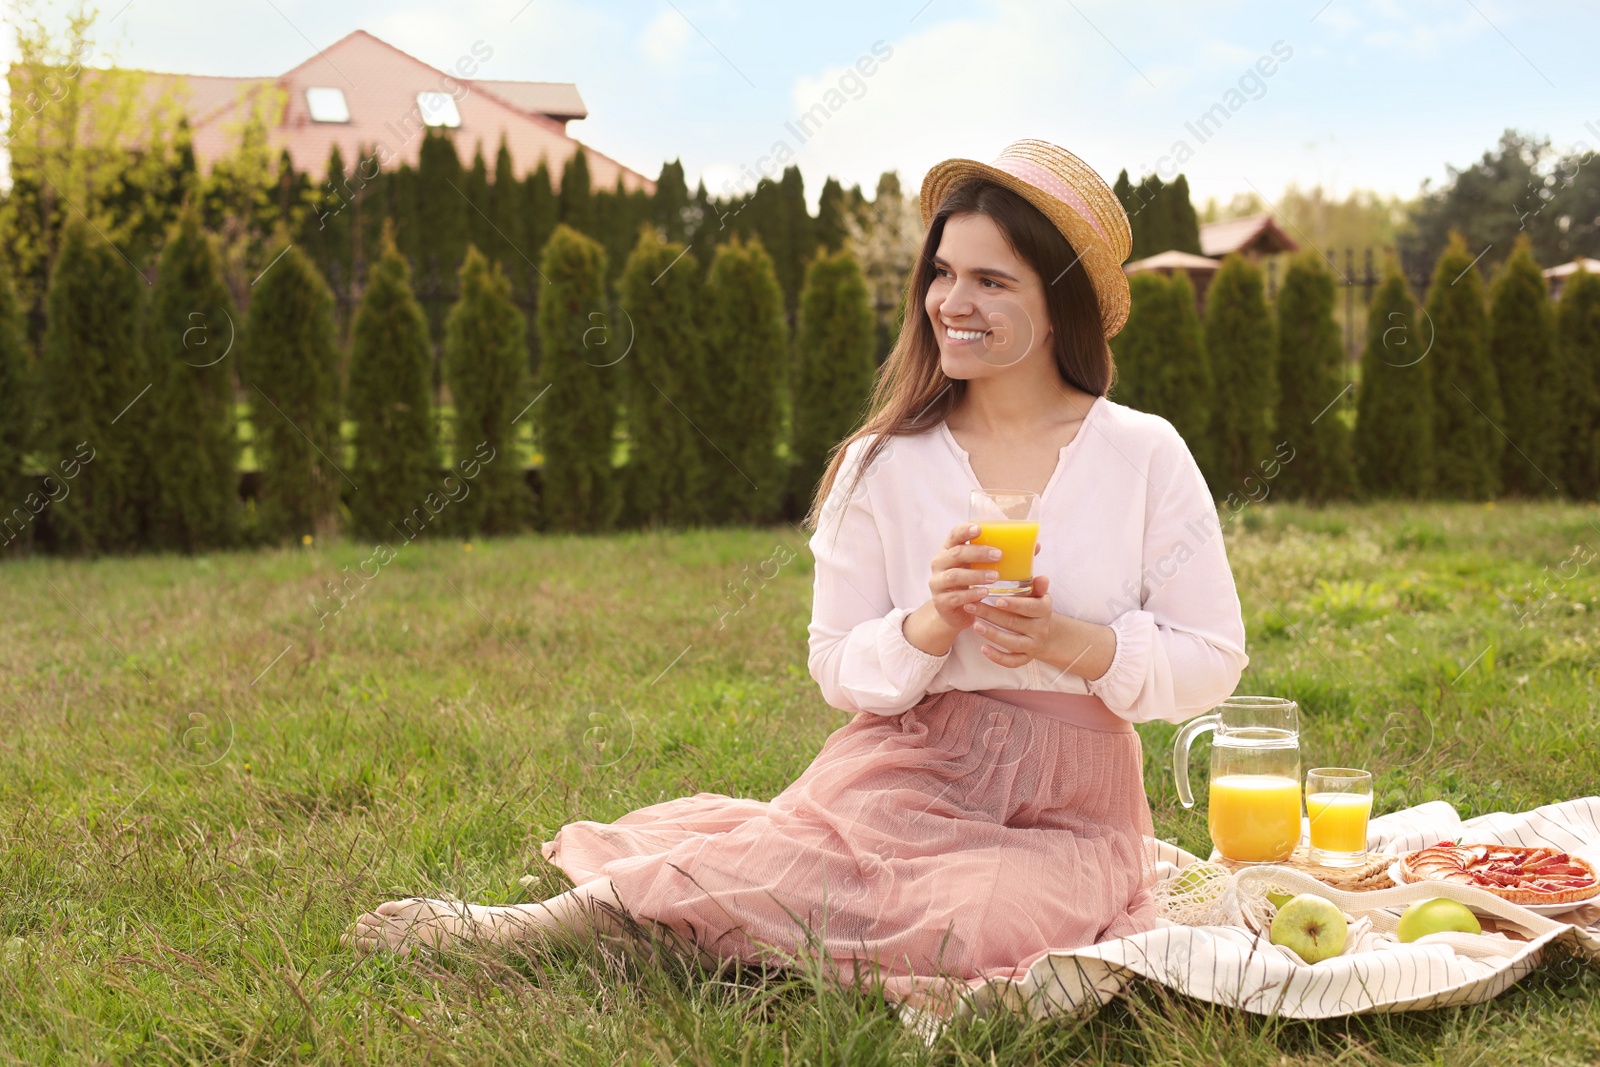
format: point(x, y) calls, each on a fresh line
point(208, 767)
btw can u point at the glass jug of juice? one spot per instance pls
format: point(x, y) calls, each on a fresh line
point(1254, 806)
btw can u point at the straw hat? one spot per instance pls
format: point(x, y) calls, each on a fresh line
point(1071, 195)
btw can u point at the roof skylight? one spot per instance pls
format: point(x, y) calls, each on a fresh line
point(327, 105)
point(439, 109)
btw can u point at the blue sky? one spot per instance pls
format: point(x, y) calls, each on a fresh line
point(1376, 94)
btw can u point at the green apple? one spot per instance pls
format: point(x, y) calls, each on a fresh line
point(1201, 876)
point(1279, 899)
point(1312, 926)
point(1434, 915)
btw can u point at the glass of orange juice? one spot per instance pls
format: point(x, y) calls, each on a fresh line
point(1338, 804)
point(1007, 519)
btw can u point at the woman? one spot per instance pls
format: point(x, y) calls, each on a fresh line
point(985, 804)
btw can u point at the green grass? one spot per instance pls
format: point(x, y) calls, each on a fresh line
point(199, 787)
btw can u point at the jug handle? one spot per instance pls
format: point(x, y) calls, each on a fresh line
point(1180, 752)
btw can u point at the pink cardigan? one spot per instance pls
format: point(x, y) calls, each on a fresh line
point(1129, 536)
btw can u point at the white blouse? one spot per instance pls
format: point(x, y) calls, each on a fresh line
point(1128, 535)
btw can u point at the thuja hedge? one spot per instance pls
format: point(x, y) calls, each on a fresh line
point(676, 396)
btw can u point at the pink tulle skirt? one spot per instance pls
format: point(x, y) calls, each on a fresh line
point(928, 851)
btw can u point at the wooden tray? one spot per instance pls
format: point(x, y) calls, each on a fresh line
point(1371, 875)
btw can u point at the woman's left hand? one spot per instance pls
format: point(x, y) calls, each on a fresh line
point(1015, 631)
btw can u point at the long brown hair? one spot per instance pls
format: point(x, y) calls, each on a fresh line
point(912, 393)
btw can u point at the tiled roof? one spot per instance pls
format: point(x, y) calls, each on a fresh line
point(1171, 260)
point(559, 100)
point(1581, 263)
point(1217, 239)
point(380, 84)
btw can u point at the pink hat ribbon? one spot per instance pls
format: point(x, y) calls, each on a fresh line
point(1032, 173)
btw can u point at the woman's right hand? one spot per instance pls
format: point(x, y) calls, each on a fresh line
point(958, 567)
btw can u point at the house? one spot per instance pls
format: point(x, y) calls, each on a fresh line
point(376, 103)
point(1254, 236)
point(1556, 277)
point(1199, 269)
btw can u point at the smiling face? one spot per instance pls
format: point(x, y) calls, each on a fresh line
point(986, 304)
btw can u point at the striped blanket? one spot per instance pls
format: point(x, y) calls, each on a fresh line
point(1236, 965)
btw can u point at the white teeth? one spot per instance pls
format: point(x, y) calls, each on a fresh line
point(963, 335)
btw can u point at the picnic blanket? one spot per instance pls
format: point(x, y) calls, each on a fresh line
point(1233, 963)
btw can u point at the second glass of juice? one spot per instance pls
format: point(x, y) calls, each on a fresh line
point(1338, 804)
point(1007, 519)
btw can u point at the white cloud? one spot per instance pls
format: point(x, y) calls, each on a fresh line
point(965, 87)
point(1227, 54)
point(663, 40)
point(1413, 31)
point(420, 31)
point(970, 86)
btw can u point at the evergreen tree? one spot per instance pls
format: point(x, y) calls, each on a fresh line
point(671, 205)
point(1466, 397)
point(738, 214)
point(1149, 219)
point(540, 212)
point(575, 197)
point(775, 214)
point(1311, 385)
point(834, 367)
point(184, 185)
point(372, 193)
point(397, 454)
point(641, 209)
point(193, 443)
point(709, 229)
point(759, 216)
point(1394, 407)
point(832, 229)
point(241, 195)
point(294, 198)
point(800, 237)
point(1242, 351)
point(613, 227)
point(1188, 390)
point(1161, 360)
point(16, 415)
point(153, 204)
point(1162, 216)
point(1522, 347)
point(1154, 218)
point(292, 365)
point(403, 206)
point(479, 232)
point(1141, 344)
point(1182, 223)
point(746, 361)
point(443, 210)
point(1578, 325)
point(578, 414)
point(485, 353)
point(661, 378)
point(505, 212)
point(1123, 188)
point(94, 378)
point(331, 228)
